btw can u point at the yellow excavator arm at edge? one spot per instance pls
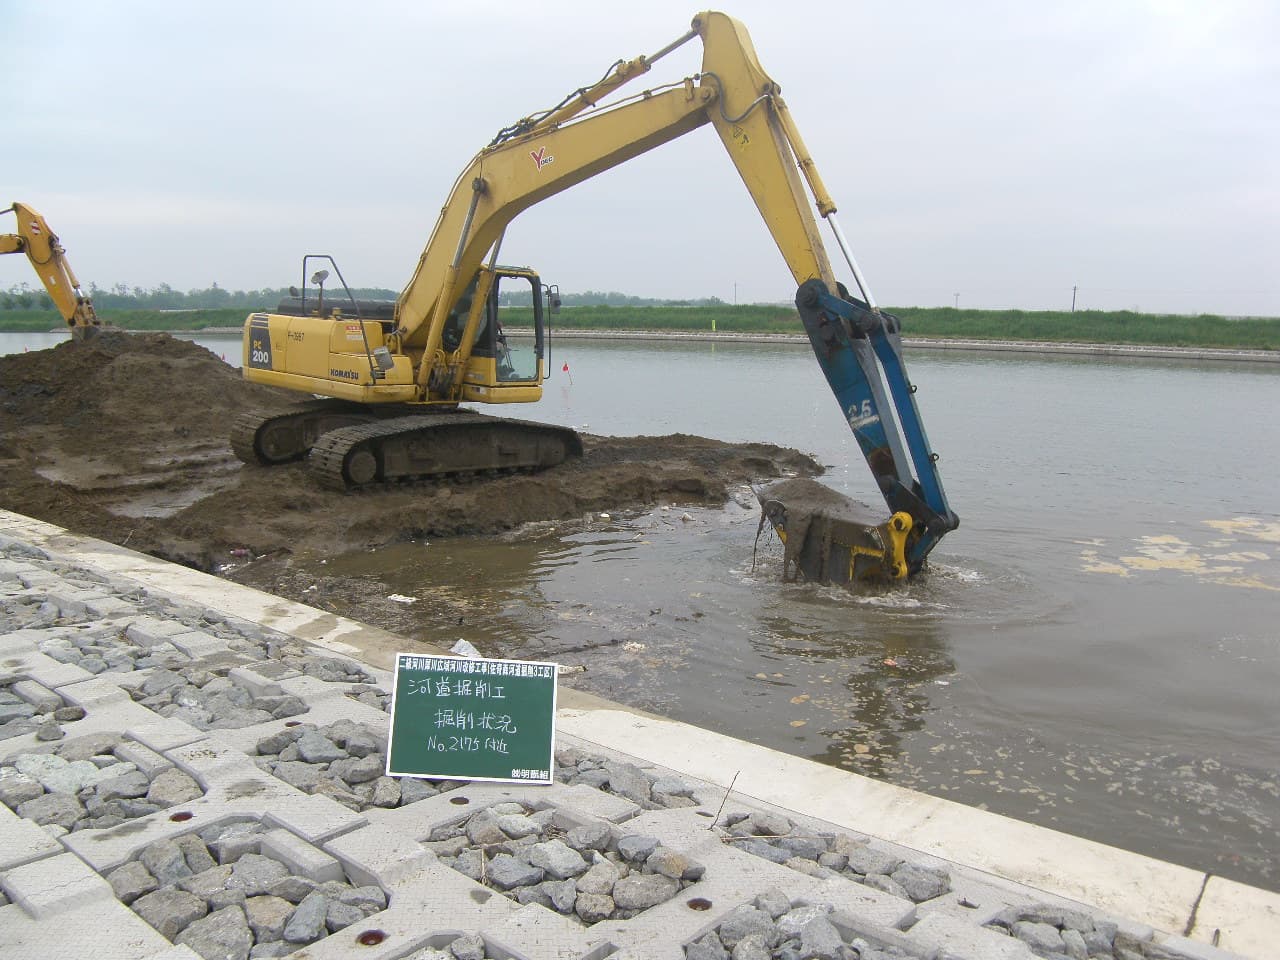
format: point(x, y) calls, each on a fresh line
point(49, 259)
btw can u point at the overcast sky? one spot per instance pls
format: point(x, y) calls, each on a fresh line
point(1001, 151)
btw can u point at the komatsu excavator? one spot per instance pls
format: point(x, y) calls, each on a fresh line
point(47, 256)
point(394, 374)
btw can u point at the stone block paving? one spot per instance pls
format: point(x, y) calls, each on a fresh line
point(178, 784)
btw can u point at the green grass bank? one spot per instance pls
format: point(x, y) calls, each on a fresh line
point(1085, 326)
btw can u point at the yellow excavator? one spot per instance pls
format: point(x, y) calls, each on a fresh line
point(391, 376)
point(47, 256)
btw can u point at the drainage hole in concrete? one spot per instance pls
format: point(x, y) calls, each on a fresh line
point(181, 816)
point(370, 938)
point(699, 903)
point(459, 801)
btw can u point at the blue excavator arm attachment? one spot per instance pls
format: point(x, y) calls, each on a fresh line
point(860, 352)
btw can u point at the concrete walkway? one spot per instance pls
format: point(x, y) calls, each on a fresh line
point(165, 791)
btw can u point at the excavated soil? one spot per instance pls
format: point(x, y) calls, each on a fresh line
point(124, 438)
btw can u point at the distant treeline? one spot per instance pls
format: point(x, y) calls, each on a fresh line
point(23, 296)
point(1086, 326)
point(121, 297)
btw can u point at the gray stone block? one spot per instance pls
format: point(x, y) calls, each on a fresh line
point(142, 758)
point(267, 916)
point(314, 747)
point(148, 631)
point(301, 858)
point(293, 889)
point(166, 861)
point(963, 940)
point(870, 860)
point(744, 920)
point(17, 788)
point(593, 804)
point(559, 860)
point(636, 847)
point(197, 644)
point(307, 922)
point(640, 891)
point(256, 683)
point(131, 881)
point(130, 786)
point(196, 853)
point(224, 933)
point(109, 607)
point(37, 694)
point(253, 873)
point(820, 940)
point(171, 787)
point(207, 882)
point(170, 911)
point(341, 915)
point(16, 711)
point(506, 872)
point(228, 844)
point(63, 809)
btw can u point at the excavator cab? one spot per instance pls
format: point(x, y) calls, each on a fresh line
point(506, 362)
point(511, 331)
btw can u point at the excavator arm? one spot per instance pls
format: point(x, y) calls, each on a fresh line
point(858, 346)
point(47, 256)
point(537, 158)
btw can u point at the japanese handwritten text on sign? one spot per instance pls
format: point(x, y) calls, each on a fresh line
point(473, 719)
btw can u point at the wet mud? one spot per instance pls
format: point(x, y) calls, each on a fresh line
point(125, 438)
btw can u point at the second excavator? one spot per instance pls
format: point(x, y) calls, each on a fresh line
point(391, 376)
point(49, 259)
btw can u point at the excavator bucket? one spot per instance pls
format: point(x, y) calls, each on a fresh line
point(830, 538)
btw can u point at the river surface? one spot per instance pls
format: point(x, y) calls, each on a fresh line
point(1096, 649)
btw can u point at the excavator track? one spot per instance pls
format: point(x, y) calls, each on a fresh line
point(268, 439)
point(423, 446)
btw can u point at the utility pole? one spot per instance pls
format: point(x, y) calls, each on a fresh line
point(1073, 298)
point(957, 301)
point(735, 293)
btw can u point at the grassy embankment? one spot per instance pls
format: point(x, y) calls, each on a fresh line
point(1086, 326)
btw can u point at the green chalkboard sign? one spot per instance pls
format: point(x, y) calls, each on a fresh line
point(459, 718)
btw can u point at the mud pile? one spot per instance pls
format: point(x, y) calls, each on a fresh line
point(124, 437)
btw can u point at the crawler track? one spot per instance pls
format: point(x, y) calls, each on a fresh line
point(269, 439)
point(421, 446)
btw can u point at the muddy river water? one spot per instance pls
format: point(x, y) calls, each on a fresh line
point(1096, 649)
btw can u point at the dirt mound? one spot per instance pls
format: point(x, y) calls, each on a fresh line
point(124, 437)
point(140, 389)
